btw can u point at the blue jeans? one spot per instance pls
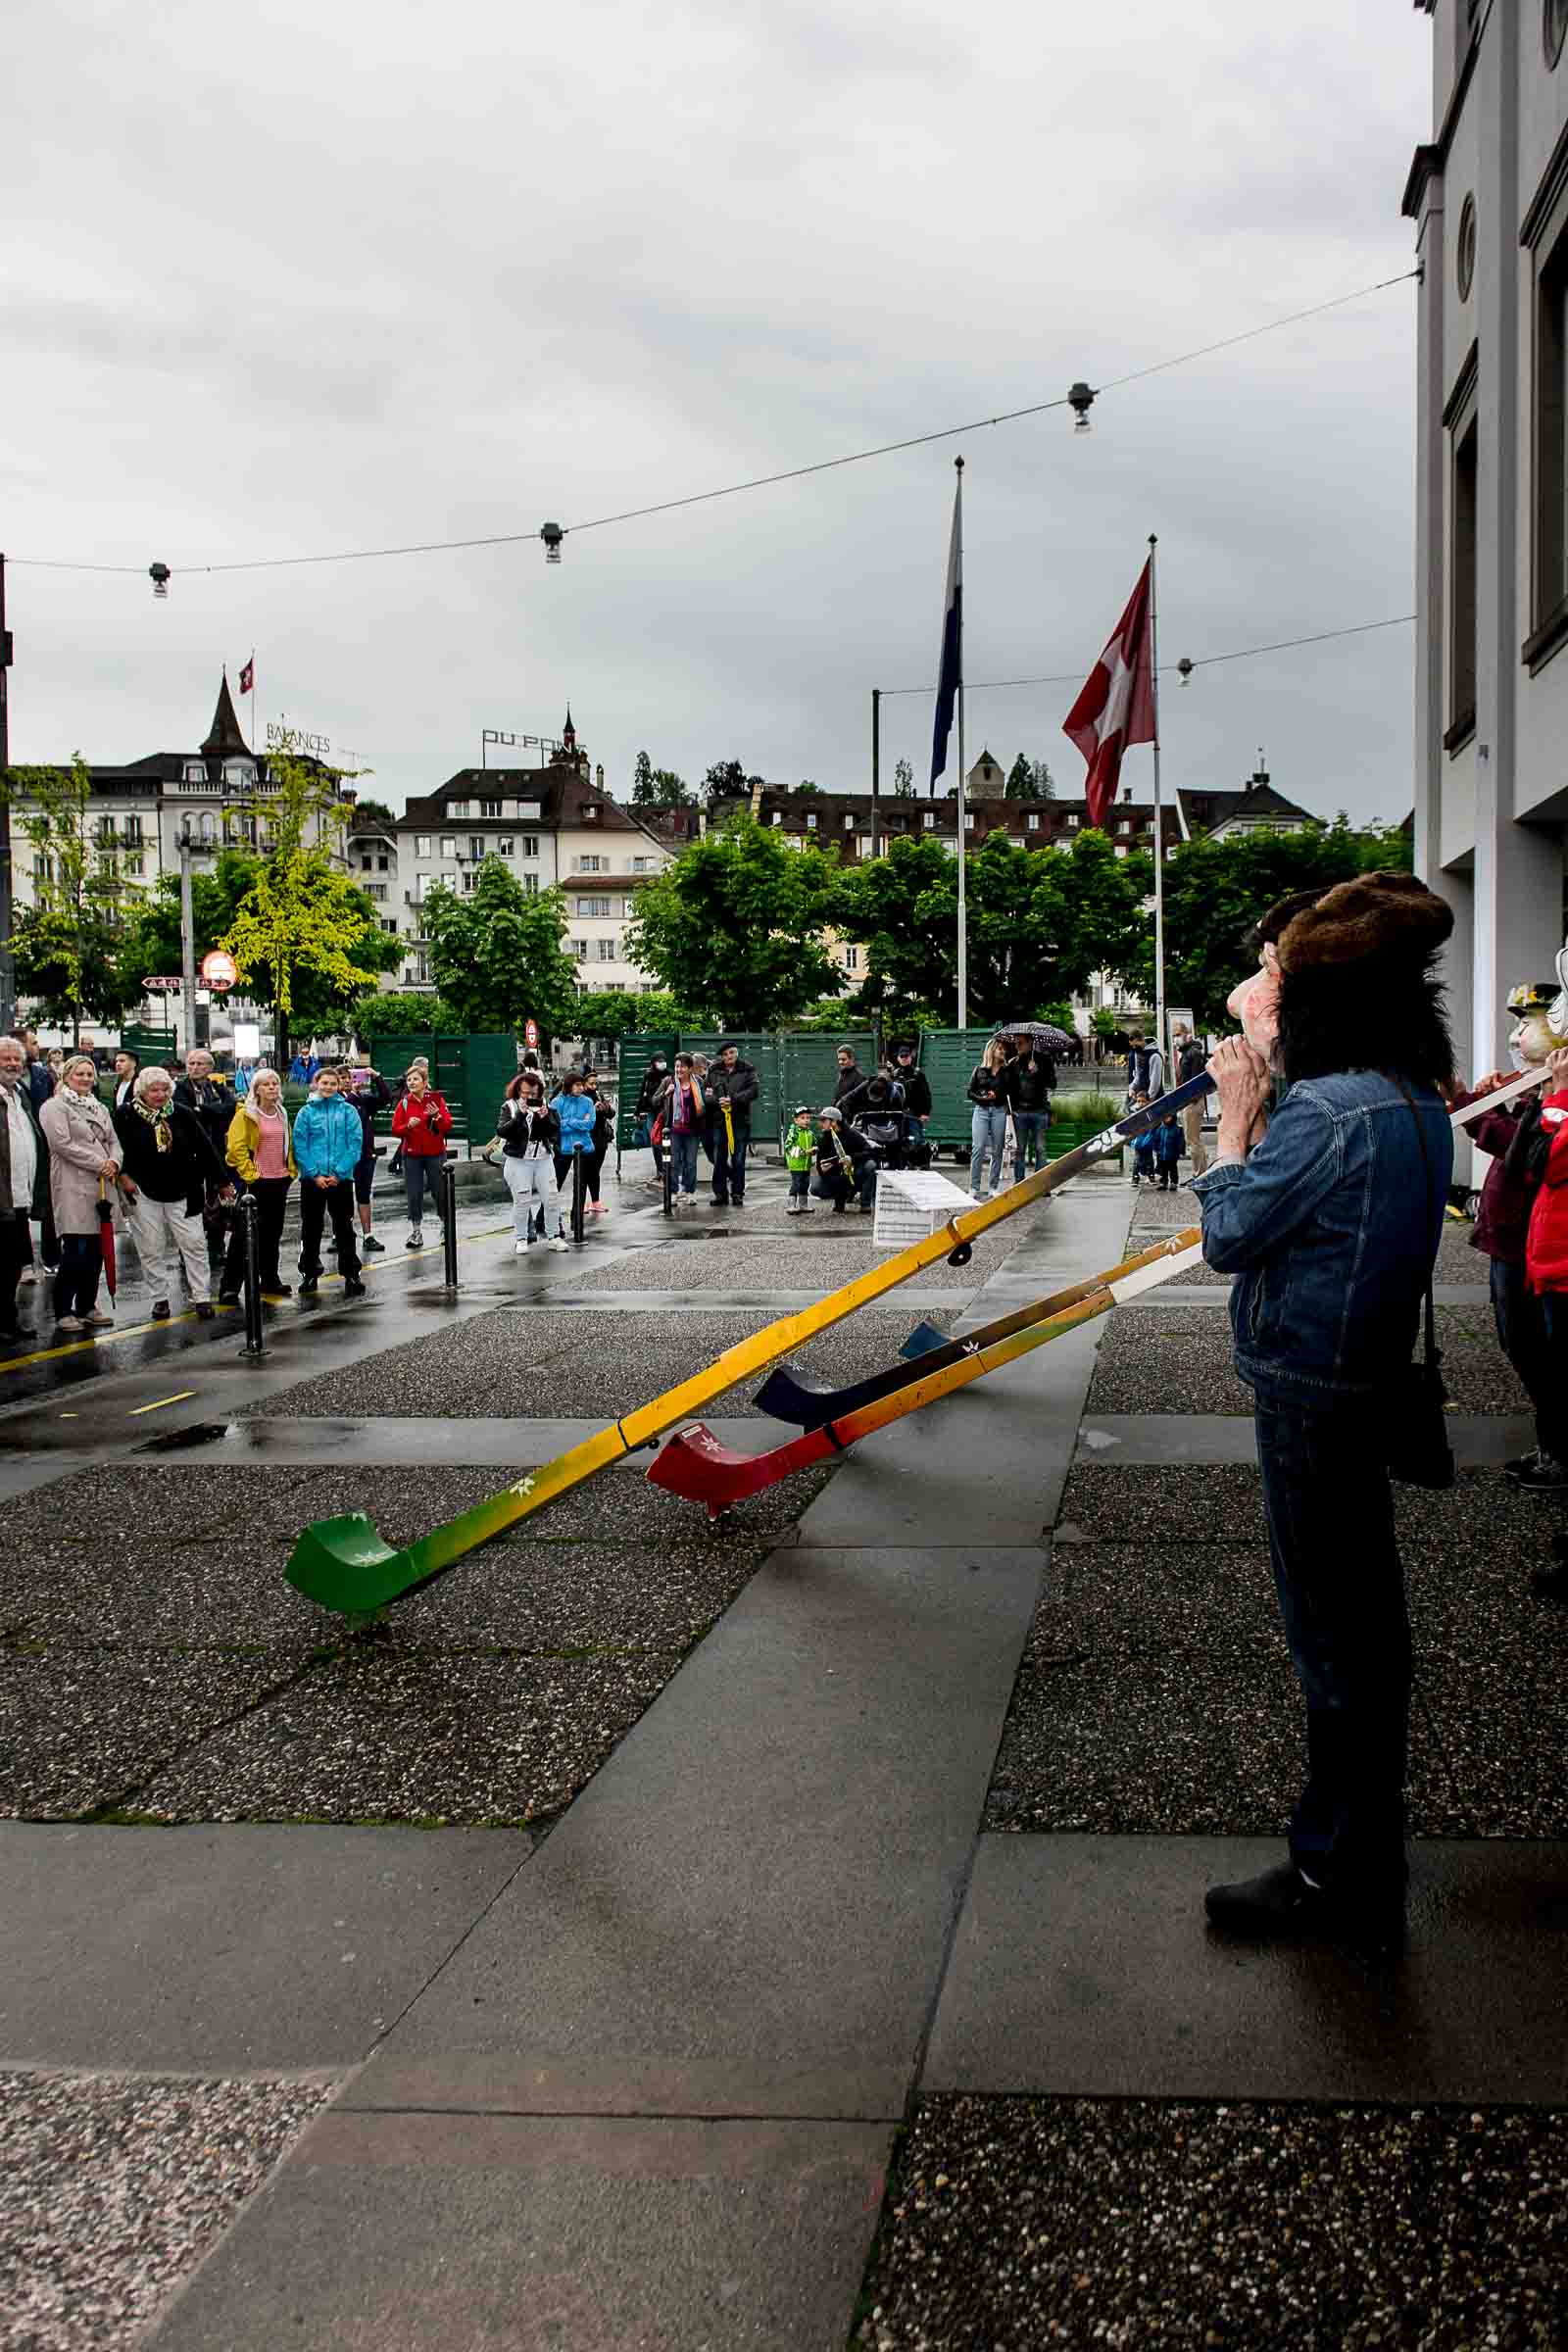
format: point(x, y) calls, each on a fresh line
point(1028, 1140)
point(81, 1261)
point(683, 1160)
point(989, 1133)
point(421, 1180)
point(1340, 1586)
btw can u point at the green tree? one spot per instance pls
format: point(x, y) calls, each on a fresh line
point(806, 785)
point(1039, 921)
point(390, 1013)
point(641, 781)
point(733, 926)
point(304, 940)
point(1216, 890)
point(606, 1012)
point(671, 791)
point(727, 780)
point(1020, 784)
point(902, 780)
point(496, 954)
point(369, 812)
point(67, 945)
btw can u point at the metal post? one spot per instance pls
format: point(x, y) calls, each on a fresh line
point(669, 1172)
point(255, 1335)
point(579, 1189)
point(449, 1220)
point(963, 788)
point(876, 768)
point(1159, 819)
point(8, 969)
point(187, 935)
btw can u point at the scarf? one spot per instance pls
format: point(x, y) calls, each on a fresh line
point(158, 1121)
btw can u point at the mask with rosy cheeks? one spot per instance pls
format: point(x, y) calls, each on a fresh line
point(1255, 1004)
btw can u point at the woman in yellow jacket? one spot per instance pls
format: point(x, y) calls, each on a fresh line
point(261, 1155)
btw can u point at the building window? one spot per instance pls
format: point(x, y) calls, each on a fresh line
point(527, 809)
point(606, 950)
point(577, 949)
point(593, 907)
point(811, 824)
point(449, 845)
point(530, 845)
point(383, 866)
point(469, 877)
point(461, 808)
point(1072, 822)
point(590, 865)
point(375, 890)
point(504, 846)
point(195, 772)
point(968, 820)
point(421, 845)
point(530, 885)
point(1462, 592)
point(389, 922)
point(1551, 436)
point(1553, 28)
point(1033, 823)
point(929, 820)
point(489, 808)
point(1464, 257)
point(852, 959)
point(642, 866)
point(778, 816)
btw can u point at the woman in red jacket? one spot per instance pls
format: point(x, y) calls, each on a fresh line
point(421, 1122)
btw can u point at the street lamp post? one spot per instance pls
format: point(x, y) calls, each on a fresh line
point(7, 968)
point(187, 934)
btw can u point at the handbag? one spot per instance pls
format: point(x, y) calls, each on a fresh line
point(1419, 1453)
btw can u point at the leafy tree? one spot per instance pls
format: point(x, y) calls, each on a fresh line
point(389, 1013)
point(67, 945)
point(496, 954)
point(304, 939)
point(606, 1012)
point(372, 812)
point(1039, 921)
point(733, 926)
point(1029, 780)
point(806, 785)
point(1216, 890)
point(641, 781)
point(727, 780)
point(902, 780)
point(671, 791)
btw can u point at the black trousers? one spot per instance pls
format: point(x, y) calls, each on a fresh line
point(270, 1196)
point(16, 1254)
point(1523, 1336)
point(316, 1205)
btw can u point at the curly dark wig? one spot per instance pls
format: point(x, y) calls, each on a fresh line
point(1384, 1013)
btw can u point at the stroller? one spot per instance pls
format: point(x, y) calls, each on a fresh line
point(896, 1137)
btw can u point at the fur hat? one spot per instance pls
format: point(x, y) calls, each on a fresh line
point(1374, 914)
point(1265, 932)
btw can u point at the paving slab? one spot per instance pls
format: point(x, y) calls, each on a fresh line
point(1220, 1437)
point(1083, 1966)
point(1016, 2223)
point(111, 2193)
point(521, 2234)
point(227, 1951)
point(746, 1912)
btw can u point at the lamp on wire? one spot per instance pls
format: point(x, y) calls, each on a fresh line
point(158, 575)
point(1081, 399)
point(551, 534)
point(1184, 670)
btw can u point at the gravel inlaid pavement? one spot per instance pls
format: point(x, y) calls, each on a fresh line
point(1011, 2223)
point(113, 2189)
point(441, 1736)
point(820, 1253)
point(1177, 1359)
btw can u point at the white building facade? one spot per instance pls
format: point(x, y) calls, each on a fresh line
point(1488, 195)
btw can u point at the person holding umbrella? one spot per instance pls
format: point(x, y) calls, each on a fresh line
point(84, 1160)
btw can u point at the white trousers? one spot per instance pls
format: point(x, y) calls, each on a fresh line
point(532, 1185)
point(167, 1237)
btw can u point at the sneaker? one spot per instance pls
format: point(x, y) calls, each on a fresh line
point(652, 1184)
point(160, 1310)
point(308, 1287)
point(353, 1287)
point(203, 1313)
point(598, 1209)
point(521, 1249)
point(228, 1297)
point(561, 1243)
point(28, 1274)
point(73, 1322)
point(792, 1208)
point(1538, 1472)
point(415, 1240)
point(277, 1289)
point(372, 1248)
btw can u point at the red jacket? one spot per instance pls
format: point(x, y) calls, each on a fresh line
point(423, 1123)
point(1547, 1252)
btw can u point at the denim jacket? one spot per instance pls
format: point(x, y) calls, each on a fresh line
point(1331, 1228)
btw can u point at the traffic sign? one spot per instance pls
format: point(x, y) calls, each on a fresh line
point(530, 1034)
point(164, 986)
point(219, 968)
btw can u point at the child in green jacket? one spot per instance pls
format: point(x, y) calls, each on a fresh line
point(800, 1152)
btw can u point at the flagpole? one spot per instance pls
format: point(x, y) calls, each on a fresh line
point(963, 782)
point(1159, 821)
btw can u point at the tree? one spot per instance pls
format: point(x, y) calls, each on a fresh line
point(387, 1013)
point(902, 780)
point(1029, 780)
point(1216, 890)
point(671, 791)
point(727, 780)
point(606, 1012)
point(641, 781)
point(1039, 921)
point(806, 785)
point(733, 926)
point(496, 954)
point(372, 812)
point(67, 945)
point(304, 939)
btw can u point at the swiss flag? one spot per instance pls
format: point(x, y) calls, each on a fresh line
point(1117, 706)
point(247, 677)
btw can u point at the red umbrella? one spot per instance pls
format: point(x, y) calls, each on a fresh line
point(106, 1232)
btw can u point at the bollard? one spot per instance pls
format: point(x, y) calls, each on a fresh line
point(669, 1180)
point(255, 1334)
point(449, 1220)
point(579, 1189)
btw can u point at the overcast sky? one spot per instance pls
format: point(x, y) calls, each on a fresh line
point(296, 277)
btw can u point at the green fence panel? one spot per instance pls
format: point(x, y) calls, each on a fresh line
point(810, 1069)
point(148, 1044)
point(948, 1057)
point(489, 1066)
point(763, 1054)
point(637, 1050)
point(391, 1055)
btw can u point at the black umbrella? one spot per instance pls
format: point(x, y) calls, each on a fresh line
point(1039, 1033)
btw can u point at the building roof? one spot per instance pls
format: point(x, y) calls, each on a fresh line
point(567, 798)
point(223, 737)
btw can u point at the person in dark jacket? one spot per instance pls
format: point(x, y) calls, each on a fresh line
point(1034, 1082)
point(914, 1082)
point(1192, 1059)
point(1514, 1137)
point(603, 1104)
point(1168, 1148)
point(214, 1105)
point(168, 1155)
point(41, 1084)
point(23, 1179)
point(530, 1139)
point(369, 1094)
point(991, 1084)
point(851, 1075)
point(645, 1107)
point(732, 1086)
point(846, 1166)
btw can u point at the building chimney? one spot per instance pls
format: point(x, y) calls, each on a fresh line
point(756, 806)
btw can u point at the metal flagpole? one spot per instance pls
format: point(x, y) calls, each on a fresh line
point(1159, 819)
point(964, 830)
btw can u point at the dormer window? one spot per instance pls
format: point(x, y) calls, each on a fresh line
point(195, 772)
point(237, 771)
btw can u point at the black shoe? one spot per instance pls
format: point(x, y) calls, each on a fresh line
point(228, 1297)
point(372, 1248)
point(1280, 1906)
point(1538, 1472)
point(160, 1310)
point(353, 1287)
point(310, 1286)
point(277, 1289)
point(204, 1310)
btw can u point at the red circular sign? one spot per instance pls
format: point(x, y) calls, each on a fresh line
point(219, 968)
point(530, 1035)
